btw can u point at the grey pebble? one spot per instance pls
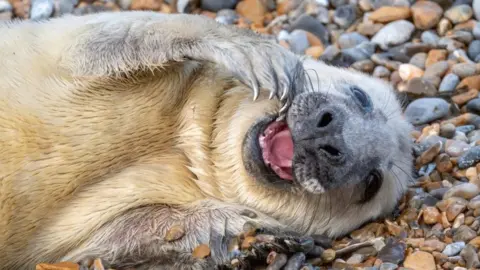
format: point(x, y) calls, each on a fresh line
point(338, 3)
point(227, 16)
point(380, 3)
point(214, 5)
point(473, 105)
point(476, 9)
point(464, 70)
point(477, 59)
point(312, 25)
point(329, 54)
point(449, 82)
point(438, 69)
point(425, 110)
point(462, 36)
point(418, 60)
point(465, 129)
point(388, 266)
point(5, 6)
point(474, 49)
point(447, 130)
point(453, 248)
point(350, 40)
point(469, 254)
point(361, 52)
point(298, 40)
point(322, 15)
point(430, 37)
point(450, 44)
point(470, 158)
point(345, 15)
point(476, 28)
point(295, 261)
point(41, 9)
point(381, 72)
point(464, 234)
point(392, 252)
point(63, 7)
point(393, 33)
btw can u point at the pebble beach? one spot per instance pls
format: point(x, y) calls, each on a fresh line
point(429, 51)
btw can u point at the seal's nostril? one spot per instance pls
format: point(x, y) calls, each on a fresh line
point(331, 150)
point(325, 120)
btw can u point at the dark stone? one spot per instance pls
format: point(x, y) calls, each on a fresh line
point(312, 25)
point(469, 158)
point(215, 5)
point(392, 252)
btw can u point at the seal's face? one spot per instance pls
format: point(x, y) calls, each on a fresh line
point(346, 134)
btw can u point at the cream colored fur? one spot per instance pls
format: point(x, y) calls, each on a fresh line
point(104, 146)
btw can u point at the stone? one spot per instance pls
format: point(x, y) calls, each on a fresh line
point(420, 260)
point(476, 28)
point(408, 72)
point(392, 252)
point(253, 10)
point(429, 37)
point(473, 105)
point(311, 25)
point(298, 41)
point(443, 26)
point(463, 98)
point(453, 248)
point(366, 66)
point(438, 69)
point(350, 40)
point(471, 82)
point(345, 15)
point(449, 82)
point(459, 14)
point(146, 5)
point(418, 60)
point(426, 14)
point(476, 9)
point(431, 215)
point(388, 14)
point(456, 148)
point(41, 9)
point(469, 158)
point(368, 28)
point(393, 33)
point(469, 254)
point(356, 259)
point(435, 56)
point(381, 72)
point(459, 221)
point(62, 7)
point(425, 110)
point(431, 245)
point(420, 87)
point(474, 49)
point(464, 234)
point(214, 5)
point(454, 210)
point(388, 266)
point(464, 70)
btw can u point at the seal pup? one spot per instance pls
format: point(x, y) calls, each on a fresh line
point(115, 127)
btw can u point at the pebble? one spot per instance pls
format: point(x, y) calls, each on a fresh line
point(201, 251)
point(388, 14)
point(41, 9)
point(392, 252)
point(464, 70)
point(393, 33)
point(473, 105)
point(470, 158)
point(476, 28)
point(426, 14)
point(459, 14)
point(298, 41)
point(350, 40)
point(435, 56)
point(419, 60)
point(471, 82)
point(388, 266)
point(464, 234)
point(425, 110)
point(476, 9)
point(449, 82)
point(214, 5)
point(429, 37)
point(453, 248)
point(421, 87)
point(474, 49)
point(420, 260)
point(311, 25)
point(431, 215)
point(456, 148)
point(469, 254)
point(345, 15)
point(381, 72)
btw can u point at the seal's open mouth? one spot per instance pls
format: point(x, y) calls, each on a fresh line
point(277, 149)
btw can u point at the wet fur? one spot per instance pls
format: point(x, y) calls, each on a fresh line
point(103, 146)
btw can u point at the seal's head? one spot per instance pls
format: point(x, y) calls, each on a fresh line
point(346, 139)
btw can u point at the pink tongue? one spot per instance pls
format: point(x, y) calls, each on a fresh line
point(280, 154)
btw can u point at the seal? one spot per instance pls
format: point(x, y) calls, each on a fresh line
point(115, 127)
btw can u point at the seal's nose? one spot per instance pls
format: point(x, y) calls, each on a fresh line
point(322, 133)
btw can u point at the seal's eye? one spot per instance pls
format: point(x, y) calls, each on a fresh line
point(373, 183)
point(362, 97)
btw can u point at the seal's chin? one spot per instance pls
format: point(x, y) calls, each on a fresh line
point(276, 146)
